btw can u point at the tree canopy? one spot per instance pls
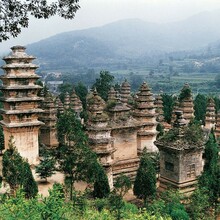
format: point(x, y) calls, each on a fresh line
point(14, 14)
point(103, 84)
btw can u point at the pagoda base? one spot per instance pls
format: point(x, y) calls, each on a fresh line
point(127, 167)
point(25, 140)
point(186, 188)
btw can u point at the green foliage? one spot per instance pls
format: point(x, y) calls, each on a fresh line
point(171, 135)
point(168, 103)
point(16, 14)
point(28, 183)
point(145, 181)
point(54, 207)
point(63, 89)
point(116, 204)
point(17, 173)
point(160, 129)
point(217, 104)
point(81, 92)
point(199, 205)
point(69, 129)
point(210, 178)
point(200, 104)
point(75, 158)
point(103, 84)
point(101, 185)
point(194, 133)
point(46, 167)
point(185, 93)
point(2, 140)
point(169, 204)
point(122, 185)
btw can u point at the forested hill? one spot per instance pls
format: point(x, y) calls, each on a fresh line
point(125, 41)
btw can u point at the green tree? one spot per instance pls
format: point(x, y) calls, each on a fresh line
point(12, 163)
point(145, 181)
point(122, 185)
point(185, 93)
point(28, 183)
point(81, 92)
point(2, 140)
point(200, 104)
point(46, 167)
point(210, 178)
point(63, 88)
point(101, 185)
point(17, 173)
point(116, 202)
point(15, 13)
point(199, 207)
point(76, 160)
point(168, 103)
point(103, 84)
point(172, 205)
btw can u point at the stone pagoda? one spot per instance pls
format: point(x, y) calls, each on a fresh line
point(21, 103)
point(124, 131)
point(125, 92)
point(186, 103)
point(48, 132)
point(59, 106)
point(75, 103)
point(180, 157)
point(146, 115)
point(112, 95)
point(210, 114)
point(99, 133)
point(159, 108)
point(66, 103)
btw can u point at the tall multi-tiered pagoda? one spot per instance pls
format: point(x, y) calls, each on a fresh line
point(21, 103)
point(145, 113)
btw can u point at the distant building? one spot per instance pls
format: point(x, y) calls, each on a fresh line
point(53, 86)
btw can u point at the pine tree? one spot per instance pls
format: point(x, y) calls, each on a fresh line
point(28, 183)
point(101, 185)
point(2, 140)
point(75, 158)
point(12, 166)
point(17, 173)
point(210, 178)
point(46, 167)
point(145, 181)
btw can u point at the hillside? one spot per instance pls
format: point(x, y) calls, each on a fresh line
point(125, 41)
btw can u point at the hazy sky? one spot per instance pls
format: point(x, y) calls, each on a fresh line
point(99, 12)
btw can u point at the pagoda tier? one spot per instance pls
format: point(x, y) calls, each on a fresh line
point(48, 132)
point(159, 108)
point(75, 103)
point(210, 114)
point(66, 101)
point(186, 103)
point(146, 115)
point(99, 133)
point(112, 95)
point(125, 92)
point(21, 103)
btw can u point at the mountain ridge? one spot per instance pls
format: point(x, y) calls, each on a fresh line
point(124, 40)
